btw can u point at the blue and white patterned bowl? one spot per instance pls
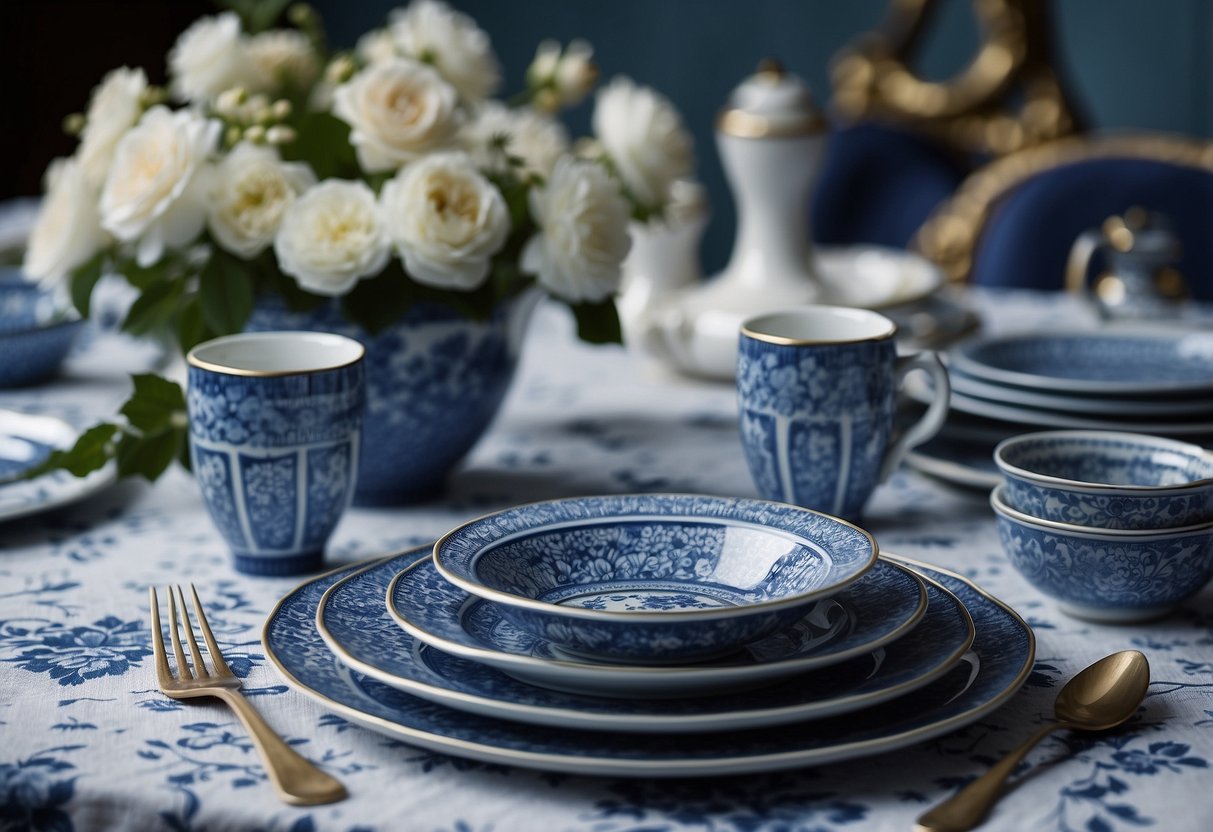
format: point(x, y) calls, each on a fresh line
point(652, 579)
point(35, 336)
point(1106, 575)
point(1107, 480)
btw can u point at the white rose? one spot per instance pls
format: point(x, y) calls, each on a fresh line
point(398, 111)
point(154, 193)
point(561, 77)
point(115, 106)
point(67, 231)
point(249, 192)
point(281, 58)
point(209, 58)
point(446, 219)
point(644, 138)
point(432, 31)
point(583, 239)
point(535, 138)
point(331, 237)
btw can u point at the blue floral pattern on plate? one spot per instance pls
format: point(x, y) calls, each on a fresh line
point(883, 605)
point(745, 568)
point(356, 625)
point(998, 663)
point(1099, 363)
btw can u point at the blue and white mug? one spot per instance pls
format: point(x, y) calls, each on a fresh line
point(817, 389)
point(275, 427)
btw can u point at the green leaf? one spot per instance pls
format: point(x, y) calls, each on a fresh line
point(324, 143)
point(598, 323)
point(225, 293)
point(149, 455)
point(84, 279)
point(155, 308)
point(191, 328)
point(92, 450)
point(155, 405)
point(379, 301)
point(144, 277)
point(297, 299)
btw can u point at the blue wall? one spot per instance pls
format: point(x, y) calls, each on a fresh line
point(1133, 63)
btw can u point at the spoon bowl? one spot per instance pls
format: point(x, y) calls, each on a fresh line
point(1105, 694)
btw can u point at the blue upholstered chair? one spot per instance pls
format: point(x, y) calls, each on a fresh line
point(878, 184)
point(1012, 223)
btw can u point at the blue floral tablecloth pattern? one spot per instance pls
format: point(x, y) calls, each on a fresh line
point(88, 742)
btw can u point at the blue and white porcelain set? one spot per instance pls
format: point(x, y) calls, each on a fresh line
point(1122, 378)
point(655, 634)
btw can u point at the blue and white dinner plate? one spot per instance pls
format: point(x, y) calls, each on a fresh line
point(354, 622)
point(1101, 363)
point(25, 442)
point(963, 463)
point(995, 667)
point(882, 606)
point(1123, 407)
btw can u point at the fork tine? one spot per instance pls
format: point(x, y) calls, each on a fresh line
point(199, 665)
point(221, 668)
point(183, 667)
point(163, 676)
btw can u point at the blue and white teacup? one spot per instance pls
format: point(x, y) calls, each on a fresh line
point(817, 388)
point(275, 427)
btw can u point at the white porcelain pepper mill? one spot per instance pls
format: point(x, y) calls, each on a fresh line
point(771, 136)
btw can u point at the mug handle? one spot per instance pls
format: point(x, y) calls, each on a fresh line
point(932, 420)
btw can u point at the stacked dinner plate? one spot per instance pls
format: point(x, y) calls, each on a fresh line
point(650, 635)
point(1151, 381)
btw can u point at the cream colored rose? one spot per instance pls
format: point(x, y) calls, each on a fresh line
point(446, 220)
point(398, 111)
point(67, 231)
point(249, 192)
point(281, 59)
point(583, 232)
point(154, 194)
point(431, 31)
point(208, 58)
point(331, 237)
point(538, 140)
point(115, 106)
point(644, 137)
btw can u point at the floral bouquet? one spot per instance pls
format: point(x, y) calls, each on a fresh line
point(375, 179)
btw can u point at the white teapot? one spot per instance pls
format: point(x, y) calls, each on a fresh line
point(771, 136)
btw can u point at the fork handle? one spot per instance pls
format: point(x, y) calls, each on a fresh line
point(968, 807)
point(298, 781)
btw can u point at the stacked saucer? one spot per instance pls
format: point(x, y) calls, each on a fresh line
point(1151, 381)
point(652, 635)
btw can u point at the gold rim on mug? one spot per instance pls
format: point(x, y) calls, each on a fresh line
point(194, 359)
point(751, 326)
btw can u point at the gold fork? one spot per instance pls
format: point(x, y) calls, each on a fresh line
point(298, 781)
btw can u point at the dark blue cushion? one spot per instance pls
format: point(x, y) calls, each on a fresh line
point(879, 184)
point(1027, 237)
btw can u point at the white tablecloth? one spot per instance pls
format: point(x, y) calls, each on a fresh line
point(87, 742)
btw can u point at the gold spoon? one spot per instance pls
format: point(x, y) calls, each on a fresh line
point(1100, 697)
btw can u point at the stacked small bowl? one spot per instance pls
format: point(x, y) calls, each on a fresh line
point(1117, 527)
point(35, 335)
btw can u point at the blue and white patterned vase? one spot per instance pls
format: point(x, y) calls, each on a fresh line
point(817, 389)
point(275, 433)
point(435, 380)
